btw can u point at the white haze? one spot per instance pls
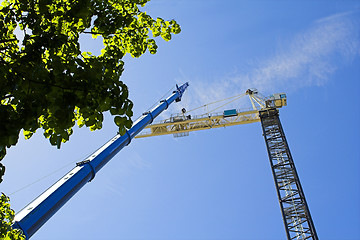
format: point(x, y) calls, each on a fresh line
point(309, 59)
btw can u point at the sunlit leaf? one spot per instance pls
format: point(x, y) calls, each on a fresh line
point(49, 83)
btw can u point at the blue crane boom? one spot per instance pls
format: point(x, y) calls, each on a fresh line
point(34, 215)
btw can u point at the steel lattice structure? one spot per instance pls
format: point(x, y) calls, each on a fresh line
point(294, 209)
point(180, 125)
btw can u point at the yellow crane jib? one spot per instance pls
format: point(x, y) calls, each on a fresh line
point(180, 124)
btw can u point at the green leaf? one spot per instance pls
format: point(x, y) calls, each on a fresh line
point(7, 217)
point(113, 111)
point(13, 139)
point(53, 140)
point(119, 121)
point(51, 83)
point(28, 134)
point(128, 124)
point(122, 131)
point(129, 113)
point(58, 142)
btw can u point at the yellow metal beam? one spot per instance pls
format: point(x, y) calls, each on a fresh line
point(182, 123)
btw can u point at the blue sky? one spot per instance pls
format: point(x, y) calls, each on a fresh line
point(217, 184)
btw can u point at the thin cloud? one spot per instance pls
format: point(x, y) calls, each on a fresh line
point(310, 58)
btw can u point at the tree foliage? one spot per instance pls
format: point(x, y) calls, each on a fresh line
point(6, 218)
point(47, 82)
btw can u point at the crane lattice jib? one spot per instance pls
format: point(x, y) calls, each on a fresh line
point(296, 215)
point(180, 124)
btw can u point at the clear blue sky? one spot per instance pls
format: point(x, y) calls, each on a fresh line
point(217, 184)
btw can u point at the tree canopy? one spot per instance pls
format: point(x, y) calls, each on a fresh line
point(47, 82)
point(6, 218)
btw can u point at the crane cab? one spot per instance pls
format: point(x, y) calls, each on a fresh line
point(276, 100)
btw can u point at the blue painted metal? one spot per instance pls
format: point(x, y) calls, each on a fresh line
point(34, 215)
point(230, 113)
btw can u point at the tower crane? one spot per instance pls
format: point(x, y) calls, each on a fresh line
point(294, 209)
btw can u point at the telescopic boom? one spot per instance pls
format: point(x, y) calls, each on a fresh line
point(34, 215)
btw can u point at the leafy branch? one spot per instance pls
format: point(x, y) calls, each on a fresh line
point(52, 84)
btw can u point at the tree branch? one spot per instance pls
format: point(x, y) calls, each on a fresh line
point(92, 32)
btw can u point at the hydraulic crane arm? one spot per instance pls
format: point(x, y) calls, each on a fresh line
point(34, 215)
